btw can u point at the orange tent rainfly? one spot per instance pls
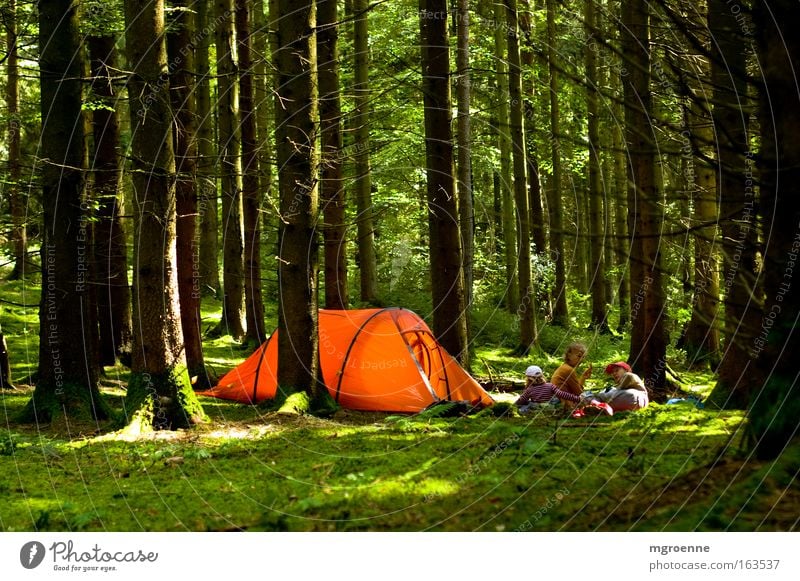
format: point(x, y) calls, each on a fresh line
point(371, 359)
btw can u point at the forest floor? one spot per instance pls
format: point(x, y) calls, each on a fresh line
point(666, 468)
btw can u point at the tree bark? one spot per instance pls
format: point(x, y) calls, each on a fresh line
point(159, 395)
point(561, 311)
point(367, 260)
point(229, 149)
point(465, 195)
point(447, 276)
point(736, 191)
point(526, 313)
point(263, 71)
point(537, 217)
point(504, 145)
point(621, 236)
point(775, 407)
point(251, 193)
point(19, 235)
point(332, 184)
point(648, 337)
point(597, 234)
point(68, 370)
point(701, 339)
point(110, 250)
point(181, 66)
point(296, 115)
point(206, 179)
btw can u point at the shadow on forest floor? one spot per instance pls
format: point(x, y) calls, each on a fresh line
point(665, 468)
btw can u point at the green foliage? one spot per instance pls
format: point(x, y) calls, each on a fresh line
point(8, 443)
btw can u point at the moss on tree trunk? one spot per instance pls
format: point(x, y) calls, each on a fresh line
point(161, 401)
point(65, 400)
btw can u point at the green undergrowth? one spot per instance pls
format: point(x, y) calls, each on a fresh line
point(670, 467)
point(248, 469)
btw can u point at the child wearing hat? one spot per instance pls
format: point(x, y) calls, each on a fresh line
point(630, 392)
point(538, 391)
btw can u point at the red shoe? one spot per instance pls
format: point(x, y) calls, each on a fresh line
point(578, 413)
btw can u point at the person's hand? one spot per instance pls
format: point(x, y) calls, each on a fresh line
point(588, 372)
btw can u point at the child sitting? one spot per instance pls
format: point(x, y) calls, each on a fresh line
point(538, 391)
point(630, 392)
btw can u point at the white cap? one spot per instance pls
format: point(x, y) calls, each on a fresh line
point(533, 371)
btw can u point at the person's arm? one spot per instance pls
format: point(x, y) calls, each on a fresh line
point(524, 398)
point(566, 395)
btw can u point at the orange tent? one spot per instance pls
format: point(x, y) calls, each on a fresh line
point(371, 359)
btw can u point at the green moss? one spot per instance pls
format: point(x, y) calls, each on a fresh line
point(161, 401)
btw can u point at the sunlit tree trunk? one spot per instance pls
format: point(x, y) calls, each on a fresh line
point(159, 394)
point(229, 150)
point(206, 159)
point(526, 313)
point(504, 145)
point(256, 332)
point(463, 93)
point(332, 186)
point(181, 58)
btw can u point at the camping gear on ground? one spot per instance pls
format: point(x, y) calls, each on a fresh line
point(371, 359)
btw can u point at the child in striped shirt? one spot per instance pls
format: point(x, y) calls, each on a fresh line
point(538, 391)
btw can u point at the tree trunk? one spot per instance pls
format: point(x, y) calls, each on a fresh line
point(110, 251)
point(526, 313)
point(363, 178)
point(447, 276)
point(181, 61)
point(465, 195)
point(19, 235)
point(232, 322)
point(648, 337)
point(775, 408)
point(597, 234)
point(560, 312)
point(251, 193)
point(296, 110)
point(5, 365)
point(735, 188)
point(332, 186)
point(701, 339)
point(536, 211)
point(159, 394)
point(208, 207)
point(264, 111)
point(68, 370)
point(504, 145)
point(621, 236)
